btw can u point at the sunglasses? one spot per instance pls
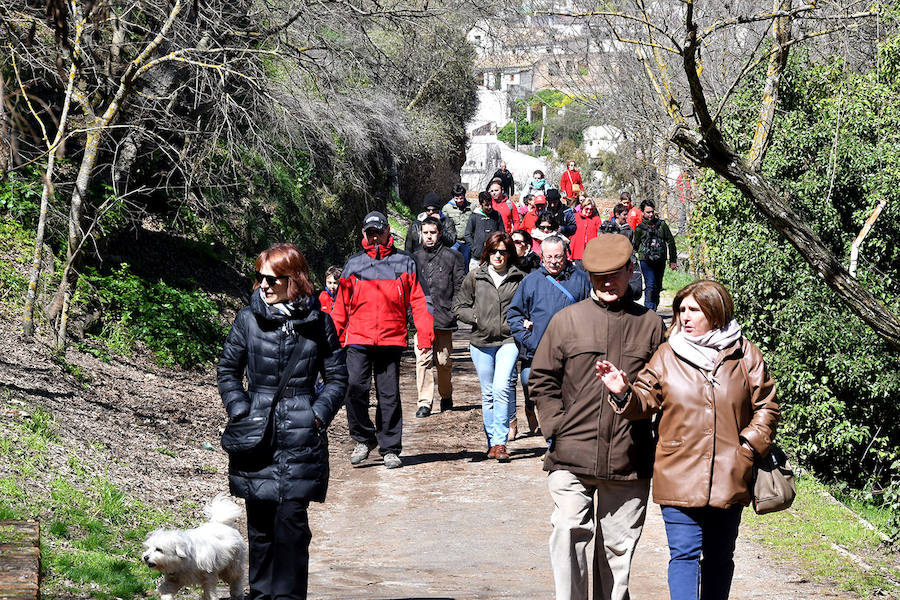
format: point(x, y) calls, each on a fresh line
point(499, 251)
point(519, 242)
point(272, 280)
point(545, 227)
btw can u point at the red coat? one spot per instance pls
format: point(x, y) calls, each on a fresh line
point(326, 301)
point(377, 288)
point(568, 179)
point(529, 221)
point(508, 213)
point(586, 229)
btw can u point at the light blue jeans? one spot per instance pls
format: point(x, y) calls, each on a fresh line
point(496, 368)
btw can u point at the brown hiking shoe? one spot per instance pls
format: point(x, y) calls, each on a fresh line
point(492, 452)
point(502, 455)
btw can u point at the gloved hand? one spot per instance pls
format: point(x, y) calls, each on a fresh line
point(238, 410)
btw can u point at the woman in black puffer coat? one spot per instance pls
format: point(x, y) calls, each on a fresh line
point(282, 314)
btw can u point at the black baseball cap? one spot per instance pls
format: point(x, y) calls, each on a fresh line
point(375, 220)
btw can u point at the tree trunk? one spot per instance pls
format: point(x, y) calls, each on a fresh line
point(716, 155)
point(76, 237)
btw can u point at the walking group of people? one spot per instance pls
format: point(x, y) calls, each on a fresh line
point(617, 397)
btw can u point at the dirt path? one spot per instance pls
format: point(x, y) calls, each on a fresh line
point(451, 524)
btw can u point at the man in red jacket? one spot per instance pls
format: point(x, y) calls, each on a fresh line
point(378, 287)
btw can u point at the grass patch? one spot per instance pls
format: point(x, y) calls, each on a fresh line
point(16, 245)
point(675, 280)
point(816, 534)
point(91, 529)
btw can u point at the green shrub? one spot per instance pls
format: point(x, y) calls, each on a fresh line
point(181, 327)
point(838, 381)
point(20, 195)
point(526, 132)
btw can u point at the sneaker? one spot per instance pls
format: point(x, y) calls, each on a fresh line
point(361, 452)
point(392, 461)
point(446, 404)
point(423, 411)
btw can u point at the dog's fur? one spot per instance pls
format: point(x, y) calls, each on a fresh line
point(203, 555)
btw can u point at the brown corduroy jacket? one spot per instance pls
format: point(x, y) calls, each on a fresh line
point(699, 459)
point(587, 437)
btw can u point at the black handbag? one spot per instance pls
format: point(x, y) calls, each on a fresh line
point(252, 437)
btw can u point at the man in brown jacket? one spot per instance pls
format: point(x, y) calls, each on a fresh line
point(597, 460)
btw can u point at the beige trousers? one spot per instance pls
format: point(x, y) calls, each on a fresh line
point(609, 512)
point(438, 356)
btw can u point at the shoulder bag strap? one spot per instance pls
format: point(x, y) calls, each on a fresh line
point(561, 288)
point(292, 363)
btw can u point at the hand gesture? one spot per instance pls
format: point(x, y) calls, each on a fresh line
point(615, 380)
point(527, 324)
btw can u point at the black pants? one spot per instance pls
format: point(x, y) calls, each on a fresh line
point(384, 361)
point(279, 549)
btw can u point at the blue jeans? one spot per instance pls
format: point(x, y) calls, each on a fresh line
point(464, 249)
point(496, 368)
point(690, 531)
point(653, 278)
point(524, 376)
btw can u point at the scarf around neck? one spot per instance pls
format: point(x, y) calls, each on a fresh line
point(701, 351)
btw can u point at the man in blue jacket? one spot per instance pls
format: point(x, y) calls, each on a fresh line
point(542, 294)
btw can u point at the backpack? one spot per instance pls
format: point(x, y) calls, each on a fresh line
point(653, 249)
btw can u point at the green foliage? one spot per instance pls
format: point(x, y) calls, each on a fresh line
point(835, 152)
point(554, 98)
point(179, 324)
point(20, 195)
point(526, 132)
point(92, 528)
point(15, 246)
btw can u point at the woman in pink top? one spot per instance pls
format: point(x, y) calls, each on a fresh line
point(570, 183)
point(587, 223)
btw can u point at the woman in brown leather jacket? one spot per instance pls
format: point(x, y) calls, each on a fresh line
point(717, 411)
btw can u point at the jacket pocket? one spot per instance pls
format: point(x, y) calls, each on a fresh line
point(670, 446)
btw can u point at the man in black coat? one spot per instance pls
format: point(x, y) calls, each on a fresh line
point(507, 182)
point(431, 207)
point(441, 271)
point(565, 216)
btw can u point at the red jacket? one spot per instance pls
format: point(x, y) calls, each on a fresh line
point(326, 301)
point(377, 288)
point(529, 221)
point(508, 213)
point(567, 180)
point(586, 229)
point(634, 217)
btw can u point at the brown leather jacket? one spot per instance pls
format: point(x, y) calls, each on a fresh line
point(588, 438)
point(699, 457)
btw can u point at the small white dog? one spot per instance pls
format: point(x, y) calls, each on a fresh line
point(203, 555)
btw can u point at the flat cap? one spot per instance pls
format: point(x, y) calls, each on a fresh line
point(375, 220)
point(606, 253)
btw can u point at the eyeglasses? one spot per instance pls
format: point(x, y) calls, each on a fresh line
point(545, 227)
point(374, 231)
point(272, 280)
point(519, 242)
point(499, 251)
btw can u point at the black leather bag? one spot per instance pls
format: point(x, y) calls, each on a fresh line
point(252, 437)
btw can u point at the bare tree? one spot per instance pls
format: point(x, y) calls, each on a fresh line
point(693, 56)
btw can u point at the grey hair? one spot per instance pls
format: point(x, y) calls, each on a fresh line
point(554, 239)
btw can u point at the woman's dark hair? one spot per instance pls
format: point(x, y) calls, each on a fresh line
point(286, 260)
point(526, 237)
point(547, 217)
point(713, 299)
point(458, 190)
point(539, 172)
point(494, 240)
point(646, 203)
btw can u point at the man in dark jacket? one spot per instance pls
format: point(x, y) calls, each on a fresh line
point(441, 271)
point(565, 216)
point(507, 182)
point(599, 463)
point(542, 294)
point(483, 221)
point(654, 242)
point(431, 207)
point(378, 287)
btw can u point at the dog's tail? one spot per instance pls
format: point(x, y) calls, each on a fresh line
point(222, 509)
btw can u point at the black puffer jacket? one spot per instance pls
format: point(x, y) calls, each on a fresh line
point(260, 343)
